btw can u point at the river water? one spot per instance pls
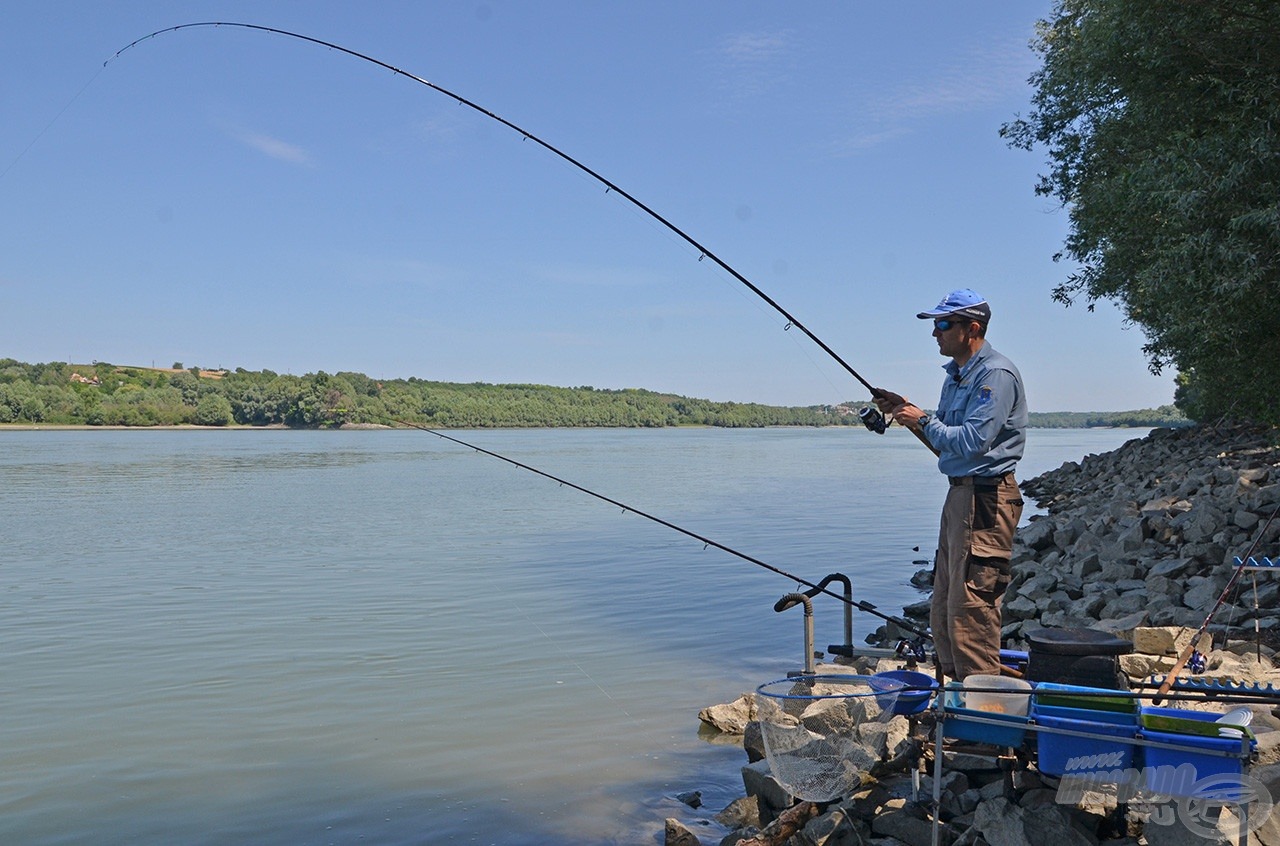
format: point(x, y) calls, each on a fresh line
point(277, 637)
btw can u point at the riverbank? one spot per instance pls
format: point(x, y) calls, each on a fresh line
point(1140, 542)
point(1147, 535)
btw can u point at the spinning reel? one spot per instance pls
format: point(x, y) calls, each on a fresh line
point(873, 419)
point(912, 649)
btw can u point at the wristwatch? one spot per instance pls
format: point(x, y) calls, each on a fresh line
point(923, 421)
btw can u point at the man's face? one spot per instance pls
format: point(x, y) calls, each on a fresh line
point(953, 335)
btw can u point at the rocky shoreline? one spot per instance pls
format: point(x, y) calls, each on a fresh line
point(1139, 542)
point(1147, 535)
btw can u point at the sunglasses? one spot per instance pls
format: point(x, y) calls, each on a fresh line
point(945, 324)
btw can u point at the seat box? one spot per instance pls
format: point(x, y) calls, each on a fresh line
point(1109, 749)
point(1202, 763)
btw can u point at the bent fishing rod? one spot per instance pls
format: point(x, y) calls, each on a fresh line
point(814, 589)
point(873, 420)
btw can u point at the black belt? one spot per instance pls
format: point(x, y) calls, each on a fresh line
point(979, 481)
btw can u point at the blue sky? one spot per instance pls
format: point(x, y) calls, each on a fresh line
point(227, 198)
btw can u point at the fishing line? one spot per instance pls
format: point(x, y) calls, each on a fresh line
point(703, 251)
point(576, 663)
point(48, 126)
point(754, 303)
point(814, 589)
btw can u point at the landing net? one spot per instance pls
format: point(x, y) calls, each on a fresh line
point(822, 734)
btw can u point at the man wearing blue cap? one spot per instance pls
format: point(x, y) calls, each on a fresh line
point(979, 431)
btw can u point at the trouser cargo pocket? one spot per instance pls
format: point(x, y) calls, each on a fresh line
point(987, 578)
point(996, 512)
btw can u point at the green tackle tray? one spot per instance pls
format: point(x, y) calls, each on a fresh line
point(1086, 698)
point(1171, 721)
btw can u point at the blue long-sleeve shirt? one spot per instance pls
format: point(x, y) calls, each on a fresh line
point(980, 427)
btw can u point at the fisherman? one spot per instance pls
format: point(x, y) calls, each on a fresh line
point(979, 431)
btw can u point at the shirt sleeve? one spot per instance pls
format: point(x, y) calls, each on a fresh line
point(988, 408)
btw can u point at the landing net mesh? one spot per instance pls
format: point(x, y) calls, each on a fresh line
point(822, 734)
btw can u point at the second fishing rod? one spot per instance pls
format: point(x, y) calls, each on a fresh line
point(814, 588)
point(871, 417)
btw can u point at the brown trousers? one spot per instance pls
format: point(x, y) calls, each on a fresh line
point(971, 573)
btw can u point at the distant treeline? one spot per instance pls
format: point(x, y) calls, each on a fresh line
point(1166, 416)
point(108, 395)
point(102, 394)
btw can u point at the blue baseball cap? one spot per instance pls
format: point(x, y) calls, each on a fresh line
point(965, 302)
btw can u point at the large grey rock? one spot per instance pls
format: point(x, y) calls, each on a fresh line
point(1038, 534)
point(1121, 626)
point(1168, 506)
point(1171, 567)
point(740, 813)
point(1165, 826)
point(1163, 587)
point(1087, 565)
point(1020, 608)
point(760, 783)
point(1003, 823)
point(837, 827)
point(1090, 606)
point(678, 834)
point(1117, 570)
point(903, 822)
point(1038, 585)
point(1126, 604)
point(1063, 620)
point(1196, 525)
point(1130, 540)
point(731, 717)
point(753, 742)
point(1202, 595)
point(1267, 833)
point(864, 803)
point(1246, 520)
point(1068, 533)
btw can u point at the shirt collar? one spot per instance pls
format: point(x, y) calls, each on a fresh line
point(958, 373)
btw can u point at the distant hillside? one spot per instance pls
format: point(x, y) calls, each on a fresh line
point(102, 394)
point(1166, 416)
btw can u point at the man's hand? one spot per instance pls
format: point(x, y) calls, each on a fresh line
point(887, 401)
point(902, 412)
point(907, 414)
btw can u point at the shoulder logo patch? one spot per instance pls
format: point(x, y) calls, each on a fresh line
point(984, 394)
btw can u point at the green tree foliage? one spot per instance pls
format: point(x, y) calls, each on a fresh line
point(127, 396)
point(107, 395)
point(214, 410)
point(1166, 416)
point(1160, 118)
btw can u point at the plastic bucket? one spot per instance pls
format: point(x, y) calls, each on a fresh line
point(911, 701)
point(993, 699)
point(962, 723)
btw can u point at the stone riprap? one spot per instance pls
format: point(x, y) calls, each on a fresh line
point(1147, 535)
point(1141, 542)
